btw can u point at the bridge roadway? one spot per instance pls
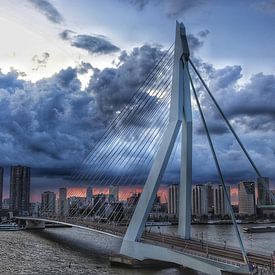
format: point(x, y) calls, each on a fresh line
point(194, 247)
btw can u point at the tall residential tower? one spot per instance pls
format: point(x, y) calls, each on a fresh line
point(173, 199)
point(263, 189)
point(1, 185)
point(247, 204)
point(221, 205)
point(48, 199)
point(20, 188)
point(62, 202)
point(200, 200)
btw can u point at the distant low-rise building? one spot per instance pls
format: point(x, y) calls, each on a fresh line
point(113, 193)
point(99, 204)
point(6, 203)
point(114, 211)
point(48, 203)
point(89, 195)
point(35, 209)
point(76, 205)
point(131, 204)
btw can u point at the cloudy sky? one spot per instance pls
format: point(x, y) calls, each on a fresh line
point(67, 67)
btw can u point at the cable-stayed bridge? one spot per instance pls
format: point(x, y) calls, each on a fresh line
point(137, 149)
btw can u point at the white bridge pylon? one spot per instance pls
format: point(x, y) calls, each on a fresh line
point(180, 115)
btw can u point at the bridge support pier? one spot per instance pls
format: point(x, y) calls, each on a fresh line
point(142, 251)
point(34, 224)
point(120, 259)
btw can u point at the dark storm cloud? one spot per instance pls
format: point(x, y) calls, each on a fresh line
point(173, 8)
point(84, 67)
point(40, 61)
point(50, 125)
point(265, 5)
point(203, 33)
point(254, 109)
point(139, 4)
point(177, 7)
point(67, 34)
point(215, 127)
point(194, 43)
point(48, 10)
point(250, 106)
point(113, 87)
point(93, 44)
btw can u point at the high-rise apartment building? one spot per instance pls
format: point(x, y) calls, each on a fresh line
point(1, 185)
point(131, 204)
point(89, 195)
point(173, 199)
point(20, 188)
point(99, 204)
point(48, 199)
point(200, 200)
point(133, 199)
point(263, 188)
point(247, 205)
point(62, 202)
point(210, 197)
point(114, 193)
point(221, 205)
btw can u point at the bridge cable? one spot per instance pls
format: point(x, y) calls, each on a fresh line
point(136, 150)
point(150, 96)
point(143, 144)
point(137, 143)
point(219, 170)
point(125, 212)
point(104, 156)
point(120, 133)
point(137, 93)
point(140, 160)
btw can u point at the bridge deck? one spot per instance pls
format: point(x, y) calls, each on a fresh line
point(203, 249)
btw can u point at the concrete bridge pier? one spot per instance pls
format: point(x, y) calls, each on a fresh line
point(35, 224)
point(144, 251)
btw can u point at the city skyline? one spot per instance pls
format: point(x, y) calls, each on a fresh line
point(126, 191)
point(208, 202)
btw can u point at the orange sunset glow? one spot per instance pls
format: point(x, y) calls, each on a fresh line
point(124, 192)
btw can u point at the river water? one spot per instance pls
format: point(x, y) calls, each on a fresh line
point(76, 251)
